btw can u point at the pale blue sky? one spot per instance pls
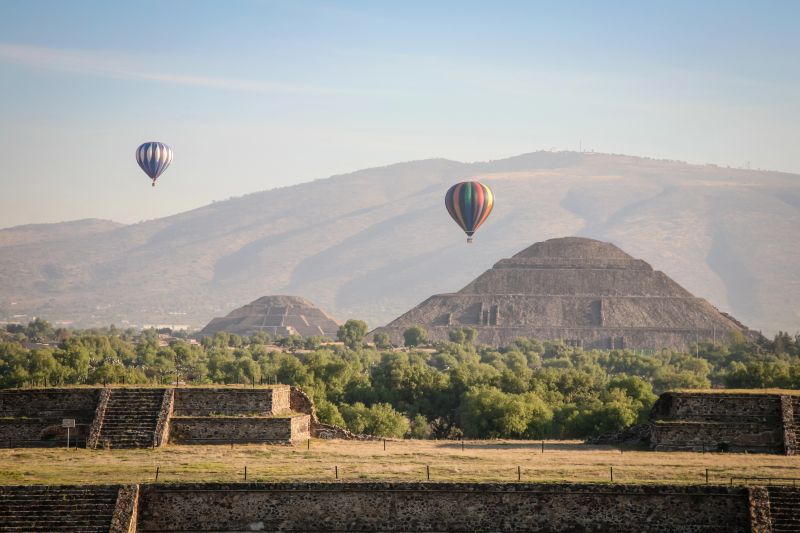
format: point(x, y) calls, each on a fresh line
point(257, 94)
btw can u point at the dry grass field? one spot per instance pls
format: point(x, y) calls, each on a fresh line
point(562, 461)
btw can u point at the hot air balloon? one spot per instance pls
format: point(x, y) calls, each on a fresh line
point(154, 158)
point(469, 203)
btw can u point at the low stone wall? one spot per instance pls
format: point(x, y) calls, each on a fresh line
point(32, 417)
point(217, 430)
point(231, 401)
point(714, 436)
point(722, 421)
point(21, 432)
point(125, 511)
point(790, 429)
point(443, 507)
point(718, 406)
point(300, 402)
point(49, 403)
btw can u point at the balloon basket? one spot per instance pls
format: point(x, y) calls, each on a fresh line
point(469, 240)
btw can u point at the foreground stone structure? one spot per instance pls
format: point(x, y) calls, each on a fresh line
point(137, 417)
point(279, 316)
point(738, 422)
point(369, 506)
point(582, 291)
point(33, 417)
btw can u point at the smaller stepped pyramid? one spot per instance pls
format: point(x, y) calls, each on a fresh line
point(130, 418)
point(77, 509)
point(585, 292)
point(279, 316)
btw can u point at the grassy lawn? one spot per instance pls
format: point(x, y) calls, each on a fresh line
point(562, 461)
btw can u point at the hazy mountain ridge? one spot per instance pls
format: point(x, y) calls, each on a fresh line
point(376, 242)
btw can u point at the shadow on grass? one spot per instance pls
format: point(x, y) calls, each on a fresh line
point(534, 446)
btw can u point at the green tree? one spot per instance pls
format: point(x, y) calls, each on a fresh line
point(415, 336)
point(382, 340)
point(380, 419)
point(328, 413)
point(352, 333)
point(420, 428)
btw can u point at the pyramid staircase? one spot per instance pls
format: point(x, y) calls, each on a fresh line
point(130, 418)
point(54, 509)
point(784, 507)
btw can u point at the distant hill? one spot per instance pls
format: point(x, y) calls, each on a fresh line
point(40, 233)
point(374, 243)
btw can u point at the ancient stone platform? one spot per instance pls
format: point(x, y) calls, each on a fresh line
point(397, 507)
point(726, 421)
point(582, 291)
point(140, 417)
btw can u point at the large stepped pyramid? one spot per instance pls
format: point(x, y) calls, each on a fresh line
point(75, 509)
point(131, 417)
point(582, 291)
point(784, 503)
point(279, 316)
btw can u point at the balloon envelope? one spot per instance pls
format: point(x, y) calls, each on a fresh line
point(469, 203)
point(154, 158)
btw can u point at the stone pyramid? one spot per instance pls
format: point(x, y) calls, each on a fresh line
point(586, 292)
point(279, 316)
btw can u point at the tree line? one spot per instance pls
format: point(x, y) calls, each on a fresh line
point(529, 389)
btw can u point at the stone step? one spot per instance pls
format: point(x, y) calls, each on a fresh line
point(56, 509)
point(53, 529)
point(785, 509)
point(58, 521)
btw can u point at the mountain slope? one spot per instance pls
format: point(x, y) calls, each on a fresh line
point(374, 243)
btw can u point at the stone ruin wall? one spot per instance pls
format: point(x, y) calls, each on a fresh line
point(302, 403)
point(720, 421)
point(33, 417)
point(222, 415)
point(231, 401)
point(222, 430)
point(398, 506)
point(366, 506)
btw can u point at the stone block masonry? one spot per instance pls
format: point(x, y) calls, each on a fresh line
point(444, 507)
point(396, 506)
point(222, 430)
point(752, 422)
point(33, 417)
point(125, 417)
point(232, 401)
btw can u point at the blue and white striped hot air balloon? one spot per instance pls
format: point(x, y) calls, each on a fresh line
point(154, 158)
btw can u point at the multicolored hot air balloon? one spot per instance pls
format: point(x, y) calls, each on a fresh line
point(154, 158)
point(469, 203)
